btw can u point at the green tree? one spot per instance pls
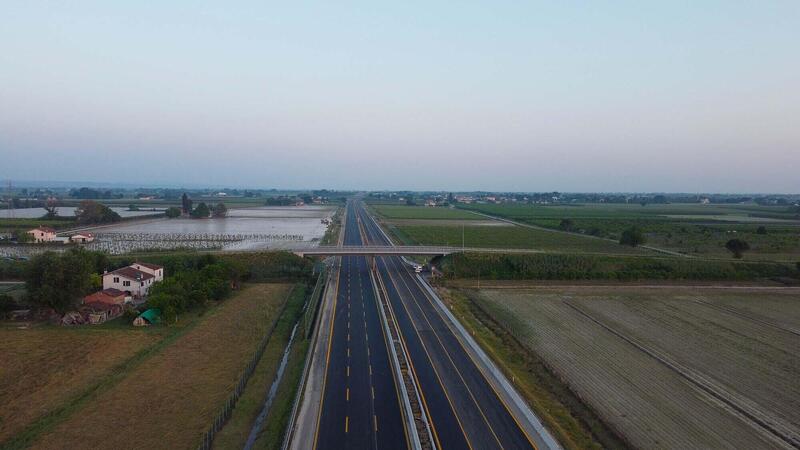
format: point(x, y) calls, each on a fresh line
point(186, 204)
point(632, 236)
point(220, 210)
point(91, 212)
point(133, 207)
point(566, 225)
point(761, 230)
point(737, 247)
point(23, 237)
point(201, 211)
point(173, 212)
point(51, 210)
point(58, 281)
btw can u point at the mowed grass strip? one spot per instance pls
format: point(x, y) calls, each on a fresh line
point(170, 399)
point(236, 431)
point(512, 237)
point(44, 367)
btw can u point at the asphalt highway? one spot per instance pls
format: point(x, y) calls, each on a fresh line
point(360, 404)
point(462, 406)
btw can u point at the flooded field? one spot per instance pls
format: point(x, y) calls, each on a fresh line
point(69, 211)
point(243, 229)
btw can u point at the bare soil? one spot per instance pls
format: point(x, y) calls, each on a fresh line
point(677, 367)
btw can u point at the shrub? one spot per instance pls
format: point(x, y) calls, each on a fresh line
point(632, 236)
point(737, 247)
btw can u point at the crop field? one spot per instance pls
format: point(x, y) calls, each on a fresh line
point(695, 229)
point(669, 366)
point(510, 237)
point(170, 399)
point(390, 212)
point(46, 366)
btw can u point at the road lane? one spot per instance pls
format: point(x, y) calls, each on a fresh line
point(457, 393)
point(360, 402)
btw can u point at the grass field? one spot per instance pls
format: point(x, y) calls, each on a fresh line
point(9, 225)
point(236, 431)
point(665, 367)
point(391, 212)
point(694, 229)
point(44, 367)
point(510, 237)
point(170, 399)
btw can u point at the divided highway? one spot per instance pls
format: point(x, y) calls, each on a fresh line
point(361, 404)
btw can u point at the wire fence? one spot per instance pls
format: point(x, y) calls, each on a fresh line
point(227, 409)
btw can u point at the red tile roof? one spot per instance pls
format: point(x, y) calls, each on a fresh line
point(149, 266)
point(131, 273)
point(45, 229)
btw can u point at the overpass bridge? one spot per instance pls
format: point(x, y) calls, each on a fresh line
point(376, 250)
point(397, 250)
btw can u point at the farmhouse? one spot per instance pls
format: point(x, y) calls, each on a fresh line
point(135, 280)
point(43, 234)
point(82, 238)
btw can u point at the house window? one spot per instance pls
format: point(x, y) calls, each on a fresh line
point(142, 283)
point(126, 283)
point(116, 279)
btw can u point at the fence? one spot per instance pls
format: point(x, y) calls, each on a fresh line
point(313, 301)
point(230, 403)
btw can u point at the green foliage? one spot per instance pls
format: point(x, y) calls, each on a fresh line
point(186, 204)
point(133, 207)
point(632, 236)
point(59, 280)
point(737, 247)
point(201, 211)
point(220, 210)
point(22, 237)
point(604, 267)
point(761, 230)
point(90, 212)
point(566, 225)
point(173, 212)
point(12, 269)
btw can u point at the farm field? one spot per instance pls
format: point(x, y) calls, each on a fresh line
point(45, 367)
point(695, 229)
point(169, 400)
point(508, 237)
point(391, 212)
point(665, 367)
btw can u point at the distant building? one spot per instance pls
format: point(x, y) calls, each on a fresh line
point(97, 313)
point(43, 234)
point(82, 238)
point(135, 280)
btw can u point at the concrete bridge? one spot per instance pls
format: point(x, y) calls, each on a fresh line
point(376, 250)
point(398, 250)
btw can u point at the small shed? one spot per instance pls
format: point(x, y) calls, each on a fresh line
point(149, 317)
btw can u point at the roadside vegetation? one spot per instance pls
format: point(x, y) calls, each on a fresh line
point(547, 266)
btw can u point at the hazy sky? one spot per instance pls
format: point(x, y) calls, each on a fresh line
point(525, 96)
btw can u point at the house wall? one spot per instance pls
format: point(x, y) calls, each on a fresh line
point(136, 288)
point(42, 236)
point(157, 273)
